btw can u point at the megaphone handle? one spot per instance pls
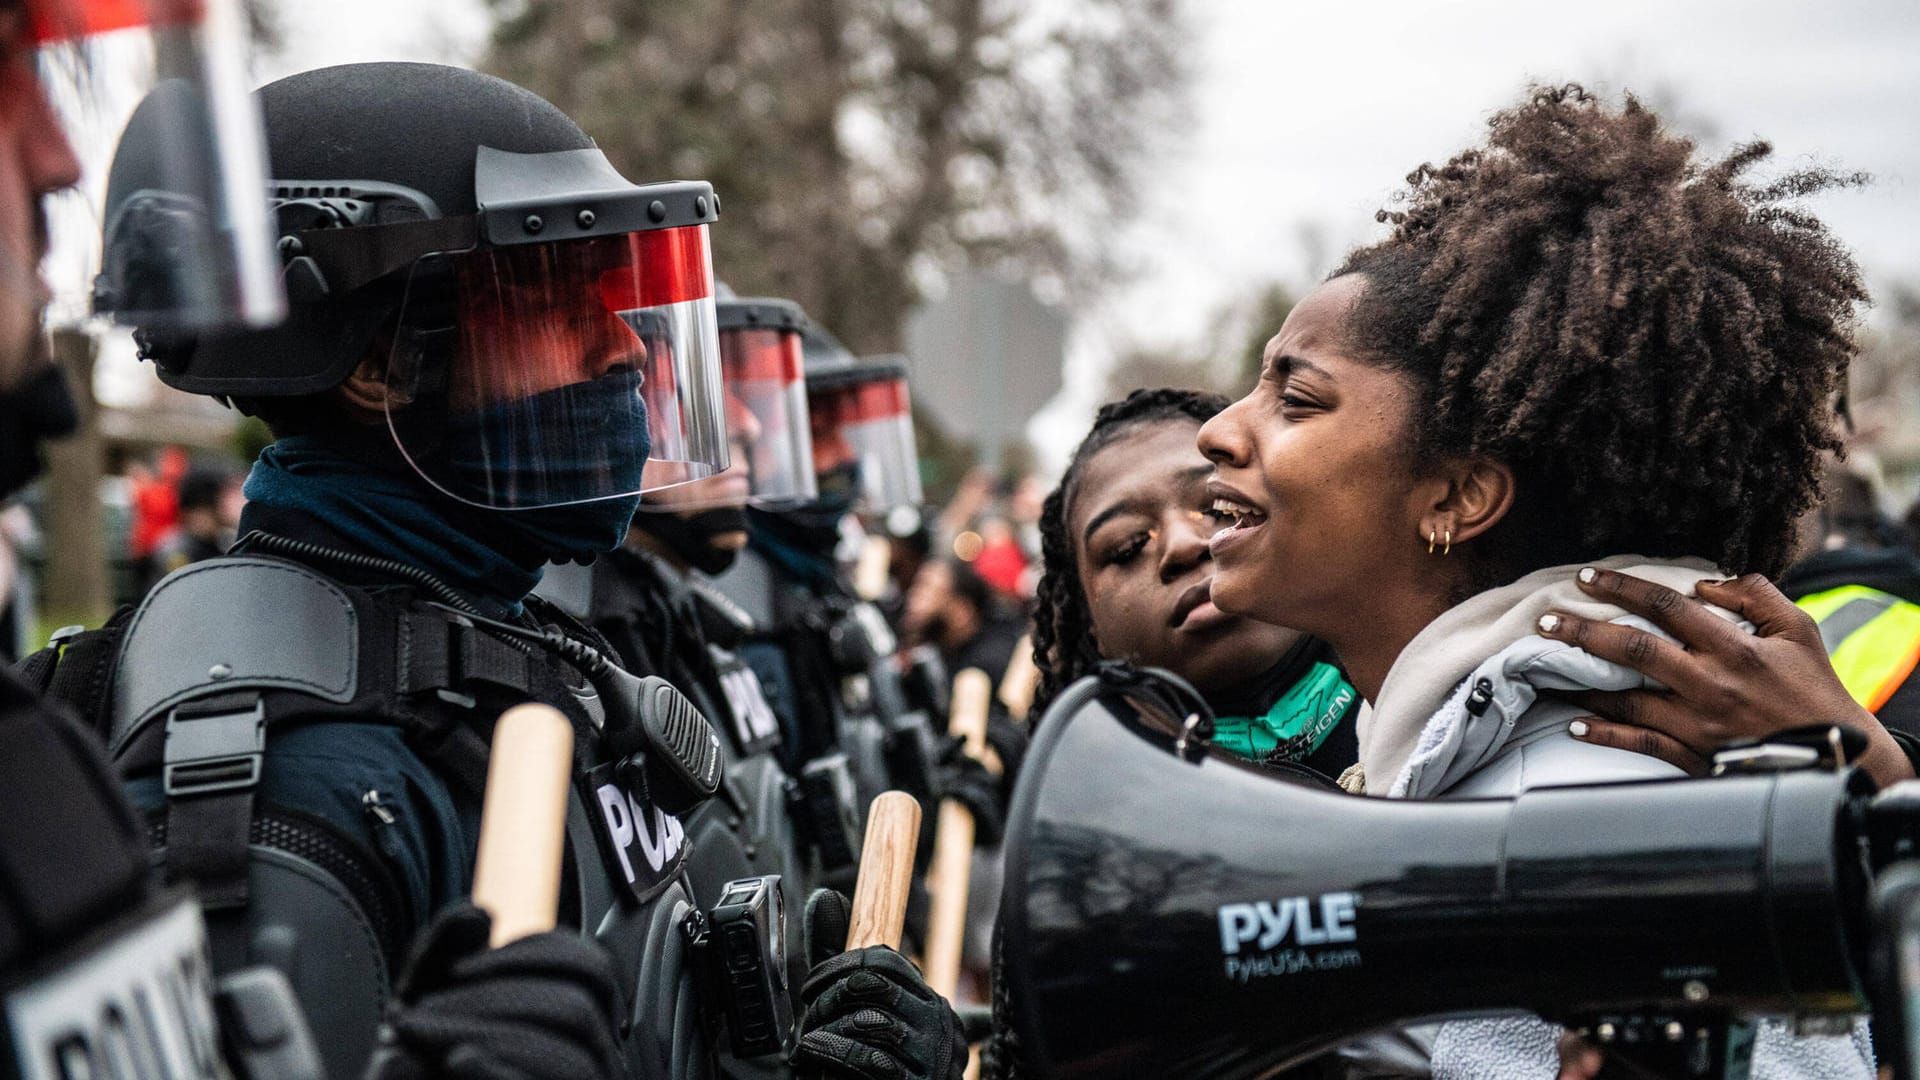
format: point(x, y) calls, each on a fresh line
point(523, 824)
point(879, 915)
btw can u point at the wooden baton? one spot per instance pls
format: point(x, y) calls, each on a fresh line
point(870, 569)
point(1021, 680)
point(879, 914)
point(950, 873)
point(516, 876)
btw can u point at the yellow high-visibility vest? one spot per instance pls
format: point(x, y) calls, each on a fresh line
point(1872, 637)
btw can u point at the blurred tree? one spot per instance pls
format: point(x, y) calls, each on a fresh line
point(250, 436)
point(1145, 366)
point(1260, 320)
point(944, 458)
point(1228, 363)
point(266, 26)
point(1883, 386)
point(1017, 459)
point(864, 147)
point(75, 587)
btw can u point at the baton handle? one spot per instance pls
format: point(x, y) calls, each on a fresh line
point(967, 716)
point(886, 872)
point(870, 569)
point(1021, 680)
point(949, 874)
point(523, 824)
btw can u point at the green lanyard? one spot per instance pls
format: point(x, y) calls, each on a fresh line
point(1296, 725)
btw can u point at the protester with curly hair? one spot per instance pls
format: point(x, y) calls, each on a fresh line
point(1580, 352)
point(1126, 575)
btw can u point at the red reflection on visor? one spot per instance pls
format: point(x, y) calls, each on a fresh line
point(667, 266)
point(63, 20)
point(758, 355)
point(861, 402)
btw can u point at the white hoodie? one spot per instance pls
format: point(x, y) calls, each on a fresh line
point(1430, 734)
point(1426, 734)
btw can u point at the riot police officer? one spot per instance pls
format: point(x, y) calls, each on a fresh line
point(84, 934)
point(823, 652)
point(655, 601)
point(458, 396)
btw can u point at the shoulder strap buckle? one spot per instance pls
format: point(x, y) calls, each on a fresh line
point(213, 746)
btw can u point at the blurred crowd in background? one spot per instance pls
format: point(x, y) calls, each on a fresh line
point(960, 575)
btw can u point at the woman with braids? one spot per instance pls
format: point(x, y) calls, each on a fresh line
point(1126, 576)
point(1580, 353)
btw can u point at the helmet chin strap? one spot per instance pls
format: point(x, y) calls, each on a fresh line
point(691, 536)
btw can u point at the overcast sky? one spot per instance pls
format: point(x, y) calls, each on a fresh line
point(1306, 116)
point(1311, 114)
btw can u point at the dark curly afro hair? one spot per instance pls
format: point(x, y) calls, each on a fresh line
point(1652, 344)
point(1064, 648)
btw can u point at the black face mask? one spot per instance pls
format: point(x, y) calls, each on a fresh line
point(815, 526)
point(39, 409)
point(837, 488)
point(690, 536)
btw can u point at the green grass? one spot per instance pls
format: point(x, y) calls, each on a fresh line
point(48, 622)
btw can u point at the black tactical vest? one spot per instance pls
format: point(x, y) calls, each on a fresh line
point(221, 652)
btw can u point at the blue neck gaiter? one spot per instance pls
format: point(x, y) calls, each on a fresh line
point(559, 446)
point(801, 540)
point(492, 557)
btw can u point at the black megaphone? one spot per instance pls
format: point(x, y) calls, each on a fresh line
point(1174, 911)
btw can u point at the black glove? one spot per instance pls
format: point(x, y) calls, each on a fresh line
point(968, 782)
point(869, 1014)
point(545, 1005)
point(987, 796)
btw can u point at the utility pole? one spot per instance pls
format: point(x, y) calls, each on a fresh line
point(76, 587)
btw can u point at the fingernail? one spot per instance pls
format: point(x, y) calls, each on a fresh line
point(1578, 729)
point(1587, 574)
point(1549, 623)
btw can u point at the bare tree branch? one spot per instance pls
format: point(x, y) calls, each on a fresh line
point(860, 146)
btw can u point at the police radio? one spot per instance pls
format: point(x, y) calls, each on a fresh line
point(913, 746)
point(740, 954)
point(924, 680)
point(825, 811)
point(1173, 910)
point(664, 744)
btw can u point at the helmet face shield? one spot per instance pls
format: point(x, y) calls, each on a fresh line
point(861, 418)
point(766, 411)
point(549, 374)
point(186, 238)
point(767, 398)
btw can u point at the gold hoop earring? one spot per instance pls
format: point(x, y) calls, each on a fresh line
point(1448, 549)
point(1432, 534)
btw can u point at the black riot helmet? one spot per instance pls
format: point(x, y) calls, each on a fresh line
point(862, 420)
point(546, 328)
point(761, 353)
